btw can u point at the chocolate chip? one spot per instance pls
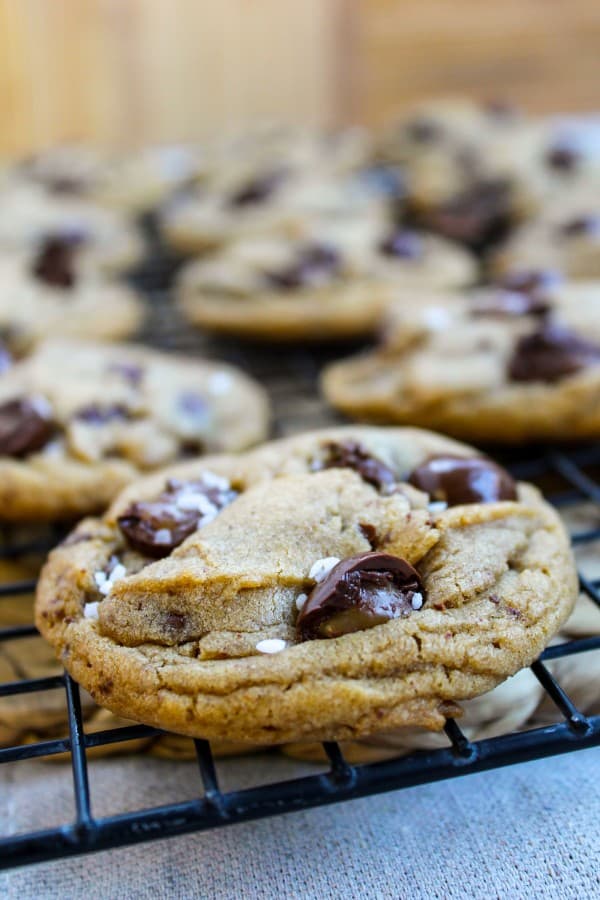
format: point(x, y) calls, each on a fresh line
point(477, 217)
point(423, 130)
point(130, 372)
point(25, 426)
point(175, 621)
point(352, 455)
point(369, 532)
point(510, 303)
point(258, 190)
point(95, 414)
point(531, 281)
point(551, 353)
point(359, 593)
point(55, 261)
point(563, 158)
point(582, 226)
point(156, 527)
point(456, 480)
point(315, 264)
point(403, 244)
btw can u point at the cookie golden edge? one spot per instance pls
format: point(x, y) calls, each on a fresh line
point(275, 699)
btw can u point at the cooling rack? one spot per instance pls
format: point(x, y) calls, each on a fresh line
point(570, 477)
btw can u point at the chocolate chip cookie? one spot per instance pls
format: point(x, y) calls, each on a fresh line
point(517, 362)
point(79, 420)
point(32, 215)
point(319, 587)
point(53, 292)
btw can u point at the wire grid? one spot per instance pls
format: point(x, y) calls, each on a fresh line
point(291, 377)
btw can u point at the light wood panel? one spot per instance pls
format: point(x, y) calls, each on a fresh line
point(544, 54)
point(128, 71)
point(123, 72)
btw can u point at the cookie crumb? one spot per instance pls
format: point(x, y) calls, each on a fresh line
point(271, 645)
point(322, 567)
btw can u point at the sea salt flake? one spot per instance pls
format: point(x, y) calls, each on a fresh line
point(90, 610)
point(322, 567)
point(163, 536)
point(271, 645)
point(437, 506)
point(220, 383)
point(416, 601)
point(211, 479)
point(300, 601)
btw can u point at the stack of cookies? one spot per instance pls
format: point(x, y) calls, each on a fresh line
point(360, 583)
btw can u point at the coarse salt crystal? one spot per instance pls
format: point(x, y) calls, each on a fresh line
point(163, 536)
point(199, 502)
point(416, 601)
point(436, 318)
point(322, 567)
point(271, 645)
point(220, 383)
point(100, 578)
point(118, 572)
point(211, 479)
point(300, 601)
point(437, 506)
point(90, 610)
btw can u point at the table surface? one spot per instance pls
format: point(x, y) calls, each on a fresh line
point(525, 831)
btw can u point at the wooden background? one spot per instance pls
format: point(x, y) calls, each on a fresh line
point(127, 71)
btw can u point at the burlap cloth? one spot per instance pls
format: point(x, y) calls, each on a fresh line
point(529, 831)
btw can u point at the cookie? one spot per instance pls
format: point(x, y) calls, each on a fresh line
point(53, 292)
point(320, 587)
point(79, 420)
point(275, 288)
point(566, 237)
point(275, 197)
point(31, 216)
point(514, 363)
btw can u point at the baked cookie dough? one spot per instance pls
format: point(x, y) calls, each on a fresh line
point(78, 420)
point(53, 292)
point(513, 363)
point(565, 236)
point(248, 202)
point(30, 216)
point(328, 586)
point(276, 288)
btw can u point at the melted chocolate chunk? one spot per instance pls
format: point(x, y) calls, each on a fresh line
point(156, 527)
point(563, 158)
point(581, 227)
point(402, 244)
point(510, 303)
point(258, 190)
point(352, 455)
point(456, 480)
point(55, 263)
point(25, 426)
point(359, 593)
point(95, 414)
point(551, 353)
point(315, 263)
point(479, 216)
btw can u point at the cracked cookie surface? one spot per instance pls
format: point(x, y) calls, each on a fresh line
point(205, 640)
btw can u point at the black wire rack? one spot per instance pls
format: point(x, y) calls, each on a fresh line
point(569, 477)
